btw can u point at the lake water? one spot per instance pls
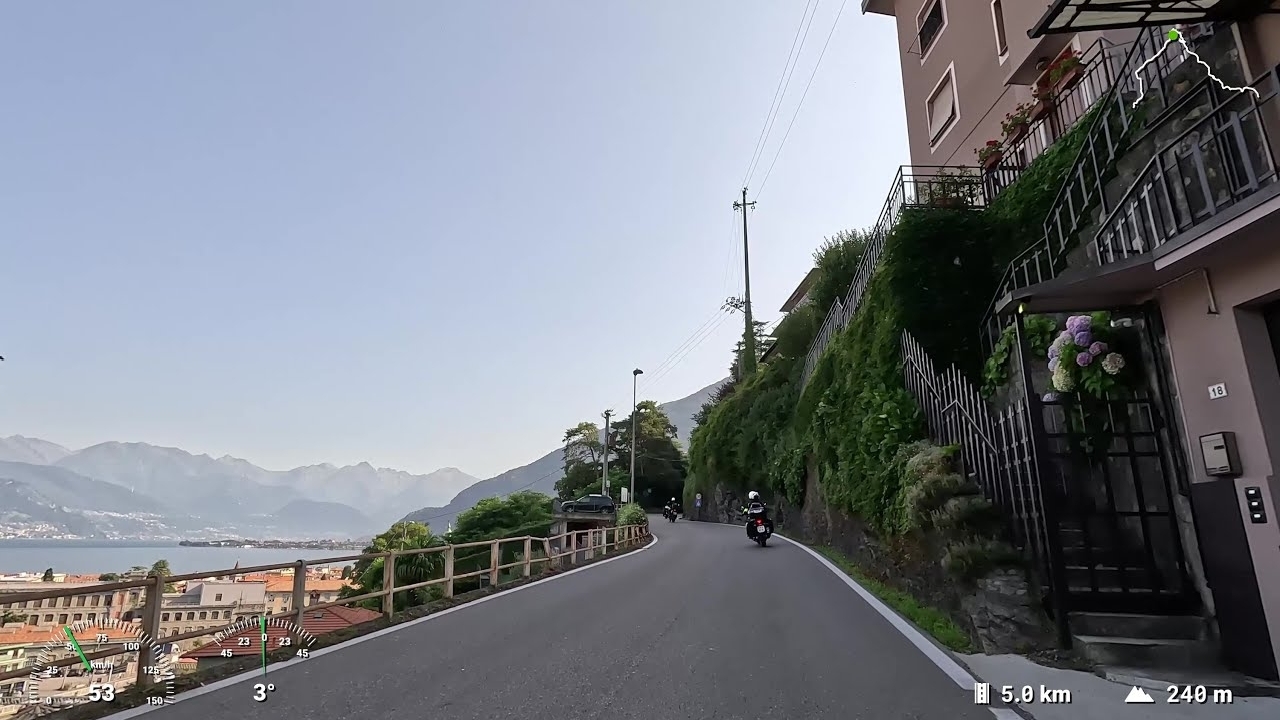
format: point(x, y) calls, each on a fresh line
point(90, 557)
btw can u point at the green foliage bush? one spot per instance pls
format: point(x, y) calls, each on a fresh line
point(743, 443)
point(965, 517)
point(632, 514)
point(972, 559)
point(837, 263)
point(929, 495)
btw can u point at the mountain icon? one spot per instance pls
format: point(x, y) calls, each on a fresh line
point(1138, 695)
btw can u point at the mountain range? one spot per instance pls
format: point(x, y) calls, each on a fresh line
point(137, 490)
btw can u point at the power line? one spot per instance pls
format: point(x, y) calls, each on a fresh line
point(784, 82)
point(803, 95)
point(718, 313)
point(693, 347)
point(681, 354)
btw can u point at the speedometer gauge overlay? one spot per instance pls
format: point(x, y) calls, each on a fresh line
point(96, 660)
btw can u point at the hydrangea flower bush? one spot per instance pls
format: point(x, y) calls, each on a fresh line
point(1082, 361)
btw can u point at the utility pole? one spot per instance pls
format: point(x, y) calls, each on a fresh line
point(749, 341)
point(604, 481)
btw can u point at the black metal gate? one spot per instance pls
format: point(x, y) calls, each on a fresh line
point(1095, 509)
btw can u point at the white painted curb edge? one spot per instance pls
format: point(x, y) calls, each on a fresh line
point(251, 674)
point(938, 656)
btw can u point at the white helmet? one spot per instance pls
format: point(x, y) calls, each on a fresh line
point(753, 496)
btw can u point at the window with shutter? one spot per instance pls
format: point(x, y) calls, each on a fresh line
point(941, 107)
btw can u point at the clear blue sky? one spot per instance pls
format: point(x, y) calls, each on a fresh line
point(415, 233)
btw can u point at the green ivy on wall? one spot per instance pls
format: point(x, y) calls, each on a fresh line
point(936, 277)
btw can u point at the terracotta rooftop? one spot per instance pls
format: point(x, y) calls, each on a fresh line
point(285, 584)
point(315, 622)
point(82, 579)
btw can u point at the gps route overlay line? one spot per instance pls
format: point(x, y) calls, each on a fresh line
point(1174, 36)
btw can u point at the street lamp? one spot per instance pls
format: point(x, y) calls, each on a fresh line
point(635, 376)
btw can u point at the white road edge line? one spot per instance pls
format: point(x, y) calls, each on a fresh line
point(947, 664)
point(251, 674)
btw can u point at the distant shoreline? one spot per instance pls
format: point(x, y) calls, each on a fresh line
point(277, 544)
point(59, 543)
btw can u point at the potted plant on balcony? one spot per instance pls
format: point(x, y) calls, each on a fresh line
point(989, 155)
point(1066, 71)
point(950, 190)
point(1016, 124)
point(1042, 102)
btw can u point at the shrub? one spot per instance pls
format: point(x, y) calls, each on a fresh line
point(966, 517)
point(924, 499)
point(973, 559)
point(632, 514)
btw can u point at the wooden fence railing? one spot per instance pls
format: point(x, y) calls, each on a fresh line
point(546, 552)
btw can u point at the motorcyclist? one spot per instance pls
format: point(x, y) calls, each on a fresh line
point(756, 508)
point(675, 506)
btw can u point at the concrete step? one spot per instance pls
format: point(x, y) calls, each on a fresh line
point(1135, 625)
point(1172, 654)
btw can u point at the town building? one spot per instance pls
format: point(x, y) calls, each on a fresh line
point(88, 606)
point(22, 645)
point(279, 592)
point(1164, 551)
point(798, 298)
point(13, 656)
point(210, 604)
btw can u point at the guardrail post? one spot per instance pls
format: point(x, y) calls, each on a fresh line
point(495, 559)
point(299, 598)
point(151, 626)
point(448, 572)
point(546, 549)
point(573, 548)
point(389, 584)
point(528, 548)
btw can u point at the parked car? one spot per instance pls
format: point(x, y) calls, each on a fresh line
point(590, 504)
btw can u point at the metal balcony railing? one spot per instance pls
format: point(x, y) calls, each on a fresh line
point(1224, 158)
point(1102, 63)
point(913, 187)
point(1141, 93)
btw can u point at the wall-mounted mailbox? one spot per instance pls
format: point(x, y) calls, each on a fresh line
point(1221, 457)
point(1257, 511)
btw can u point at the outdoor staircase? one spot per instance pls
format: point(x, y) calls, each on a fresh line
point(1112, 177)
point(1156, 651)
point(1165, 642)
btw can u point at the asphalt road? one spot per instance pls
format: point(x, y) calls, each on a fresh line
point(703, 625)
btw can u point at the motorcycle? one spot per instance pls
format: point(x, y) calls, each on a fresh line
point(669, 513)
point(759, 528)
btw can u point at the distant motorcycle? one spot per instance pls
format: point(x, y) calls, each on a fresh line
point(759, 527)
point(669, 513)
